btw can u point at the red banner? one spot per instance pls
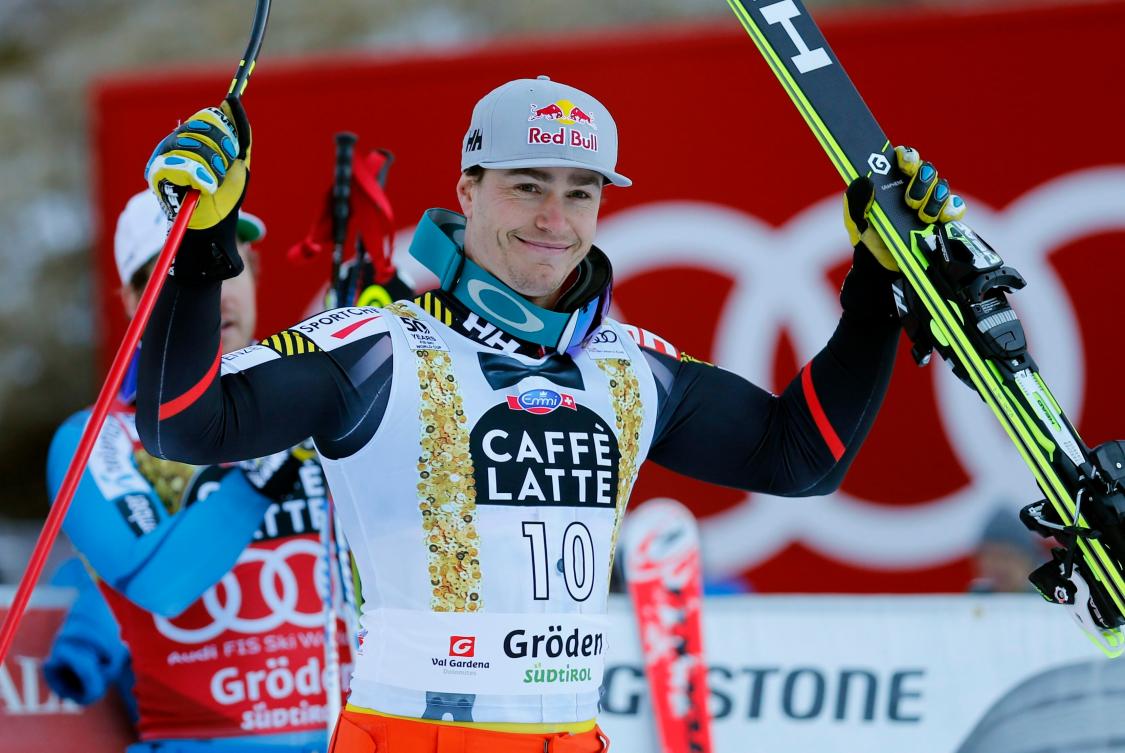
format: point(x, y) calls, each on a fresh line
point(32, 718)
point(730, 244)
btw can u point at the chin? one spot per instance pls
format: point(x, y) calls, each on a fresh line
point(545, 283)
point(537, 290)
point(529, 286)
point(232, 341)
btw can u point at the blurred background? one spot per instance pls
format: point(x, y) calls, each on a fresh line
point(86, 90)
point(729, 245)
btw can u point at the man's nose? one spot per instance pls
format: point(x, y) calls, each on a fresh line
point(551, 217)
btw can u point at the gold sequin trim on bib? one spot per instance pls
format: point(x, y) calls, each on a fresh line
point(168, 478)
point(628, 415)
point(447, 496)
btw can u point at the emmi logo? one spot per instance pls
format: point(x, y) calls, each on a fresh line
point(540, 402)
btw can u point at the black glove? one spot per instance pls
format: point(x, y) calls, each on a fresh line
point(277, 476)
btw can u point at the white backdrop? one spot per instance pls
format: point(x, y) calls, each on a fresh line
point(885, 673)
point(799, 674)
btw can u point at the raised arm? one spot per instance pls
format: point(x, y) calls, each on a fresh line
point(801, 442)
point(192, 405)
point(196, 406)
point(798, 443)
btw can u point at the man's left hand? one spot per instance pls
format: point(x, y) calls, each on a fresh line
point(926, 193)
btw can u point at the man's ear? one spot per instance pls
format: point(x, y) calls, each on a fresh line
point(466, 188)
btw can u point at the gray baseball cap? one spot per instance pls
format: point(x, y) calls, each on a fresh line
point(537, 122)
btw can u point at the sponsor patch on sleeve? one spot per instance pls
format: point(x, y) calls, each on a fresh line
point(606, 343)
point(138, 512)
point(290, 342)
point(420, 335)
point(646, 339)
point(111, 463)
point(329, 330)
point(247, 358)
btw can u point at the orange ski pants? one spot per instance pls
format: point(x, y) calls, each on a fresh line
point(371, 733)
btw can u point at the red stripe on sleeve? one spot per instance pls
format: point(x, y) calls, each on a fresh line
point(181, 403)
point(835, 446)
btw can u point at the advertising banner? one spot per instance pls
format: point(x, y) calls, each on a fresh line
point(32, 718)
point(925, 674)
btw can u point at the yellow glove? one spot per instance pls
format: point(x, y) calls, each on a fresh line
point(925, 192)
point(203, 153)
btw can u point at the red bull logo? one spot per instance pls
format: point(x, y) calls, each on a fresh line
point(564, 111)
point(569, 136)
point(580, 117)
point(550, 112)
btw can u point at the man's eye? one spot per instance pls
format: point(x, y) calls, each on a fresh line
point(527, 188)
point(582, 195)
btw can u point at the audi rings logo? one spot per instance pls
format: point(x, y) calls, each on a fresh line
point(604, 337)
point(280, 589)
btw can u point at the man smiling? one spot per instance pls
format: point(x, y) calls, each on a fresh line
point(531, 226)
point(482, 441)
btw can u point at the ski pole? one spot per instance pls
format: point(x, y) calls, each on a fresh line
point(341, 213)
point(121, 361)
point(332, 679)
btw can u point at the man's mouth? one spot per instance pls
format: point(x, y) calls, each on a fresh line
point(550, 247)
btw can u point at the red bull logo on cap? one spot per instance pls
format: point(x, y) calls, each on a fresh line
point(565, 112)
point(564, 136)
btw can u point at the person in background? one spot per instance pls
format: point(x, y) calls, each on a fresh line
point(1005, 554)
point(208, 571)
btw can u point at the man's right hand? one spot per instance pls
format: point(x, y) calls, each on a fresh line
point(203, 153)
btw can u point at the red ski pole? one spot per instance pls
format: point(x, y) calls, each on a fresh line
point(121, 361)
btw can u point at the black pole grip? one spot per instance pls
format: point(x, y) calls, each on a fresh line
point(253, 47)
point(342, 186)
point(241, 123)
point(242, 74)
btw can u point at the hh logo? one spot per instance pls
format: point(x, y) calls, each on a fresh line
point(541, 402)
point(462, 645)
